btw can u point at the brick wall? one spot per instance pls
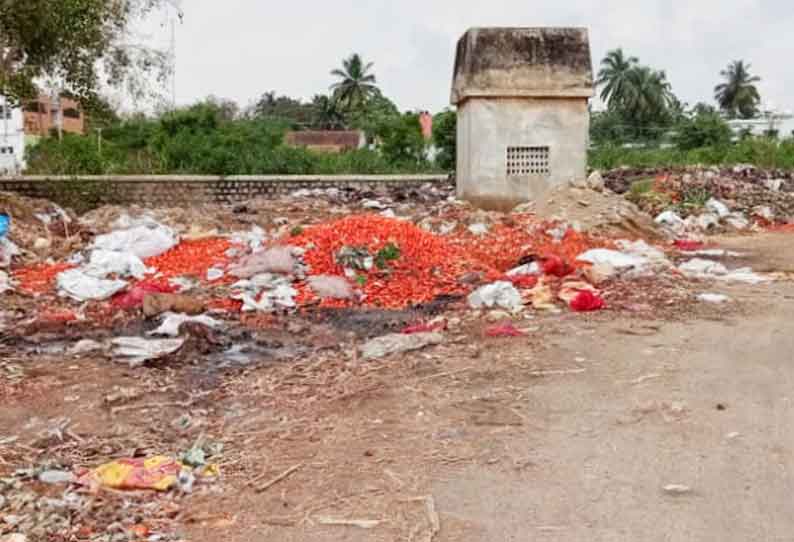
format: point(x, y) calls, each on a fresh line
point(175, 191)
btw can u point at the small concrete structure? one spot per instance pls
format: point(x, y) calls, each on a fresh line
point(523, 123)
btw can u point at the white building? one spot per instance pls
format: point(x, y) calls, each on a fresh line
point(523, 122)
point(769, 121)
point(12, 138)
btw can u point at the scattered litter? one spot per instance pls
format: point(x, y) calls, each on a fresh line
point(5, 282)
point(172, 322)
point(158, 473)
point(677, 489)
point(103, 263)
point(331, 287)
point(478, 229)
point(144, 241)
point(159, 303)
point(528, 269)
point(75, 284)
point(718, 208)
point(618, 260)
point(686, 245)
point(136, 351)
point(714, 298)
point(542, 297)
point(498, 294)
point(425, 327)
point(214, 274)
point(280, 260)
point(134, 297)
point(397, 343)
point(360, 523)
point(56, 477)
point(505, 329)
point(85, 346)
point(587, 301)
point(556, 266)
point(707, 269)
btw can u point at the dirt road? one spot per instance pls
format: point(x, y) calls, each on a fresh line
point(604, 428)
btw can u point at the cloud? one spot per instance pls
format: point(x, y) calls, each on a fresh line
point(241, 48)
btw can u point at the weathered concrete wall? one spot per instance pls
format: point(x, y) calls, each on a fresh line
point(181, 190)
point(487, 127)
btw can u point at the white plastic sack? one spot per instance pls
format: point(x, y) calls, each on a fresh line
point(529, 269)
point(172, 322)
point(137, 351)
point(104, 262)
point(397, 343)
point(282, 296)
point(7, 251)
point(75, 284)
point(717, 299)
point(142, 241)
point(707, 269)
point(618, 260)
point(718, 208)
point(331, 287)
point(274, 260)
point(253, 239)
point(499, 294)
point(5, 282)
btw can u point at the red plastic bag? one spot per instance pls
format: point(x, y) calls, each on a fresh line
point(587, 301)
point(134, 298)
point(505, 329)
point(526, 282)
point(686, 245)
point(554, 265)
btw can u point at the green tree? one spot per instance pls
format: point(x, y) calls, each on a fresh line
point(77, 42)
point(326, 114)
point(613, 77)
point(283, 108)
point(703, 129)
point(445, 138)
point(372, 114)
point(647, 99)
point(738, 95)
point(401, 140)
point(356, 82)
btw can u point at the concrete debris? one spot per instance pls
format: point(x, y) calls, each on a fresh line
point(398, 343)
point(499, 294)
point(596, 181)
point(774, 185)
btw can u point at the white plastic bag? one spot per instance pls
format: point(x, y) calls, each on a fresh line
point(499, 294)
point(75, 284)
point(144, 241)
point(104, 262)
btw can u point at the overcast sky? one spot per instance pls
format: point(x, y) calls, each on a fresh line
point(239, 49)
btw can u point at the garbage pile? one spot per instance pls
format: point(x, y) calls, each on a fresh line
point(383, 253)
point(709, 200)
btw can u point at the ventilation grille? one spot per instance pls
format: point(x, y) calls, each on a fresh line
point(523, 161)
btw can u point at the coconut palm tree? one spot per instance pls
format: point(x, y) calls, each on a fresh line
point(647, 99)
point(738, 95)
point(613, 75)
point(356, 82)
point(327, 115)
